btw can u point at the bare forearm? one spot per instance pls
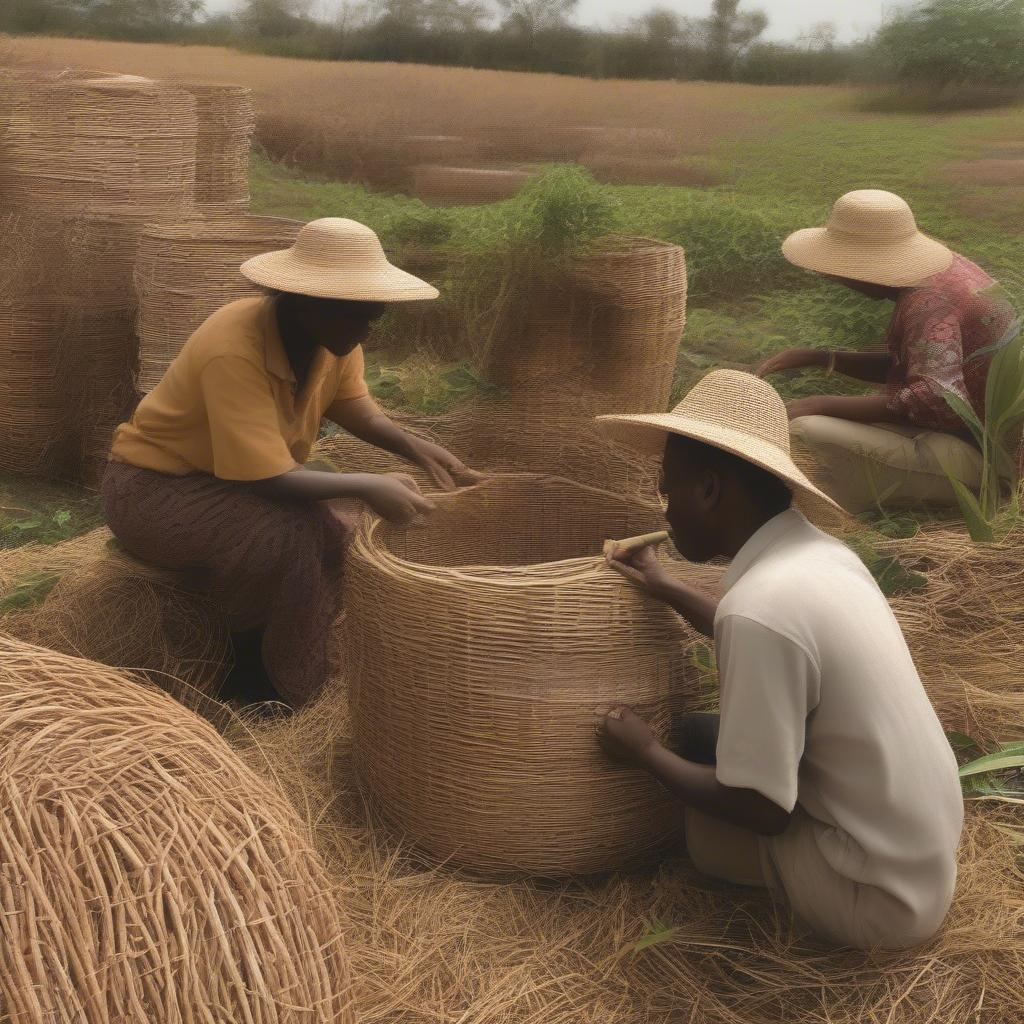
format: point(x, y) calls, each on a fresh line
point(694, 605)
point(311, 485)
point(382, 432)
point(697, 786)
point(871, 367)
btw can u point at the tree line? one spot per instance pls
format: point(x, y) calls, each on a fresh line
point(937, 44)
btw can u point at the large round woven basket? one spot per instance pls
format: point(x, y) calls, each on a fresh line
point(146, 874)
point(481, 644)
point(226, 121)
point(187, 270)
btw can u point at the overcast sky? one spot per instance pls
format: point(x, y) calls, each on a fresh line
point(853, 18)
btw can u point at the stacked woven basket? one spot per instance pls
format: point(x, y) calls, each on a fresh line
point(481, 644)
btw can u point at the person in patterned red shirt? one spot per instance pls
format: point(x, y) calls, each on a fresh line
point(897, 447)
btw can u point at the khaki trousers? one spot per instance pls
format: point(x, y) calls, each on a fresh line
point(871, 465)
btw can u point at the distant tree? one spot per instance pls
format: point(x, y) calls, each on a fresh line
point(728, 34)
point(821, 36)
point(273, 19)
point(134, 18)
point(957, 41)
point(533, 16)
point(667, 40)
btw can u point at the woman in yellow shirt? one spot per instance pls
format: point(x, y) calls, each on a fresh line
point(208, 474)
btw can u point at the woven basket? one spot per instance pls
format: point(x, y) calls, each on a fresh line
point(609, 329)
point(226, 121)
point(146, 874)
point(110, 146)
point(481, 644)
point(187, 270)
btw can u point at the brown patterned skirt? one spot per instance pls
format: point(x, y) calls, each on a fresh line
point(268, 562)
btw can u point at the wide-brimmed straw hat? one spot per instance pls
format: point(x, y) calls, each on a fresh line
point(734, 411)
point(336, 258)
point(870, 236)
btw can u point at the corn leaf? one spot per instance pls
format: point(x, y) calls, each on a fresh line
point(1004, 384)
point(966, 413)
point(978, 526)
point(1010, 756)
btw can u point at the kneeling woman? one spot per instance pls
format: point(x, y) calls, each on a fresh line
point(950, 317)
point(208, 474)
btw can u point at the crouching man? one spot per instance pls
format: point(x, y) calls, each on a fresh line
point(827, 774)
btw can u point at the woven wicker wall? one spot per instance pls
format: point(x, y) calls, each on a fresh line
point(609, 329)
point(187, 270)
point(226, 121)
point(148, 875)
point(480, 645)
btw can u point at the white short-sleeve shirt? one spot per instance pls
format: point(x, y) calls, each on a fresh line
point(822, 710)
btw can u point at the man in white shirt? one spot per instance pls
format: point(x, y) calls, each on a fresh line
point(827, 774)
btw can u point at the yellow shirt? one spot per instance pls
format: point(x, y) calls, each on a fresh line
point(228, 404)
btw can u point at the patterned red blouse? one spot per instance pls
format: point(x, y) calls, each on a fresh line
point(936, 338)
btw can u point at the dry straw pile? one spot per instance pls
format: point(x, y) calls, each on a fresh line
point(147, 874)
point(479, 646)
point(187, 270)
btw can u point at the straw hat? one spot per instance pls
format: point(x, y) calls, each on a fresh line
point(734, 411)
point(335, 258)
point(870, 236)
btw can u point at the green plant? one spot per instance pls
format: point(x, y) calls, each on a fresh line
point(29, 591)
point(998, 774)
point(998, 437)
point(891, 575)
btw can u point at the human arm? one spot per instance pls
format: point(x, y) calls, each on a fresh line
point(641, 566)
point(363, 418)
point(860, 409)
point(872, 367)
point(626, 738)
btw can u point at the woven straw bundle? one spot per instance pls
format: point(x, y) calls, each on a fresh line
point(609, 328)
point(187, 270)
point(121, 613)
point(226, 121)
point(147, 874)
point(466, 186)
point(114, 146)
point(480, 646)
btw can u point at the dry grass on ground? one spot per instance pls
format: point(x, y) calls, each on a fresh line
point(507, 112)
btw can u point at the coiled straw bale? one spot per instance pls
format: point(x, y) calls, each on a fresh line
point(226, 121)
point(145, 873)
point(115, 146)
point(187, 270)
point(480, 646)
point(122, 613)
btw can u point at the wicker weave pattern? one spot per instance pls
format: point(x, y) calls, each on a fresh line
point(481, 645)
point(186, 271)
point(145, 873)
point(225, 121)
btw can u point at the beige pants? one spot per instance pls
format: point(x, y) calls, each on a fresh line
point(871, 465)
point(841, 911)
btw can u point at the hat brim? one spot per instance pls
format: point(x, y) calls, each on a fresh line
point(898, 264)
point(647, 434)
point(284, 271)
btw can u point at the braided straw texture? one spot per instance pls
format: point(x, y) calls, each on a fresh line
point(610, 327)
point(480, 645)
point(466, 186)
point(145, 873)
point(226, 121)
point(111, 146)
point(187, 270)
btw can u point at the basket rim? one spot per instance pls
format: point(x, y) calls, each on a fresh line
point(533, 575)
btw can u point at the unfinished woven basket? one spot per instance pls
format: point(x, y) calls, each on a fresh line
point(146, 874)
point(610, 328)
point(187, 270)
point(480, 646)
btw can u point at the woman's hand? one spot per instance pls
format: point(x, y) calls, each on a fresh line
point(640, 565)
point(396, 498)
point(793, 359)
point(448, 472)
point(625, 737)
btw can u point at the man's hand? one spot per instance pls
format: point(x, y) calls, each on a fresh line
point(448, 472)
point(396, 498)
point(640, 565)
point(793, 359)
point(625, 737)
